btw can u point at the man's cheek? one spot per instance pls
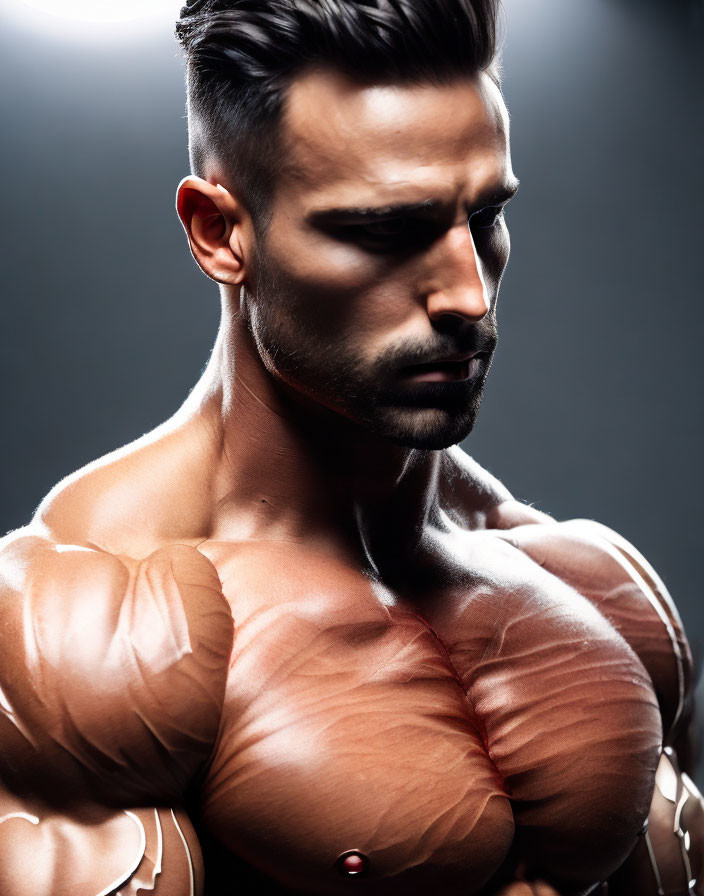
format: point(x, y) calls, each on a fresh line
point(312, 309)
point(321, 263)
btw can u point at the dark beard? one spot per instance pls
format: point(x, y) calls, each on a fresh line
point(427, 415)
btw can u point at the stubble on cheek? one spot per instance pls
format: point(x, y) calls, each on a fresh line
point(302, 332)
point(310, 341)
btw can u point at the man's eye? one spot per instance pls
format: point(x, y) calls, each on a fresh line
point(388, 235)
point(390, 229)
point(487, 217)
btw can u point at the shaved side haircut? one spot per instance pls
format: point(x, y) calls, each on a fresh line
point(242, 55)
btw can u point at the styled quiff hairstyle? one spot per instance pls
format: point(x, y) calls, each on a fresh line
point(243, 54)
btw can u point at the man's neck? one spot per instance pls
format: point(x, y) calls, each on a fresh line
point(284, 467)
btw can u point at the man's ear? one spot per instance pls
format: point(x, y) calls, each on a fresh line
point(218, 229)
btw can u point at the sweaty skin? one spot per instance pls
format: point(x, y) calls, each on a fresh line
point(271, 648)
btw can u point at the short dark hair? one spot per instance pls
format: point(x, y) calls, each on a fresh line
point(243, 54)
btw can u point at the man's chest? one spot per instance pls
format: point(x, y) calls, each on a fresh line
point(420, 736)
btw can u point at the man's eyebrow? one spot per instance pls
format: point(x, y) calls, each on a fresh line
point(357, 214)
point(372, 213)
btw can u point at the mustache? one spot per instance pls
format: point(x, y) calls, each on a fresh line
point(410, 353)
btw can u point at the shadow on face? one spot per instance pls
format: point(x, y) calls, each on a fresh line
point(376, 283)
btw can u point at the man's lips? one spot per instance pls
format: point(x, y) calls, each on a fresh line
point(452, 368)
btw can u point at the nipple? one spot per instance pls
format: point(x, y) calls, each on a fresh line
point(352, 863)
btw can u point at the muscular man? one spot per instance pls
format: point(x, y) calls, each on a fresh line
point(292, 640)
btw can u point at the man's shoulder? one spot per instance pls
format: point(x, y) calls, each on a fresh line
point(606, 568)
point(109, 663)
point(36, 566)
point(583, 550)
point(135, 499)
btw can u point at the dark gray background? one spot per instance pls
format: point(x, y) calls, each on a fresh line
point(593, 407)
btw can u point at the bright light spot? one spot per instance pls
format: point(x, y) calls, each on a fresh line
point(94, 23)
point(104, 10)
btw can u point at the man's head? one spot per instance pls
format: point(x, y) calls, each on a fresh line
point(367, 142)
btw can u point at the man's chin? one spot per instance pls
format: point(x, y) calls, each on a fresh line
point(429, 429)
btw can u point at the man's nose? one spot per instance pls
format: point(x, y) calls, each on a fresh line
point(457, 287)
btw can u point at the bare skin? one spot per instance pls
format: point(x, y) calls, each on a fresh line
point(272, 635)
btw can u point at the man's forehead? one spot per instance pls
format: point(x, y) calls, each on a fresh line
point(340, 135)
